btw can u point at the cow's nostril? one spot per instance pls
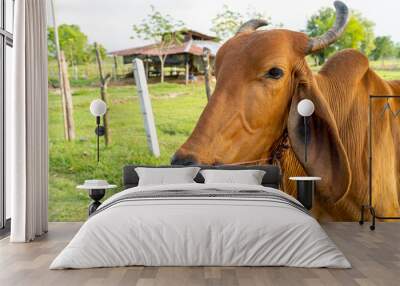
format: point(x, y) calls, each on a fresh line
point(183, 160)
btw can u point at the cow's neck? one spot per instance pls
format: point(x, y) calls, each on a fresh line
point(346, 82)
point(349, 102)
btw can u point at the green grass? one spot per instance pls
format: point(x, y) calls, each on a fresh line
point(176, 109)
point(88, 74)
point(389, 74)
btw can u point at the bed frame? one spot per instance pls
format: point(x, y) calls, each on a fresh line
point(272, 177)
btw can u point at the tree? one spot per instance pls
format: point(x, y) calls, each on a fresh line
point(74, 43)
point(94, 49)
point(359, 33)
point(163, 30)
point(384, 47)
point(397, 50)
point(226, 23)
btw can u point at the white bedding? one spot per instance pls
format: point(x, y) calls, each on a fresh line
point(203, 231)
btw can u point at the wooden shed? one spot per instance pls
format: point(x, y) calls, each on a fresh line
point(186, 55)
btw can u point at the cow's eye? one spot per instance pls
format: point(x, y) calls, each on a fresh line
point(274, 73)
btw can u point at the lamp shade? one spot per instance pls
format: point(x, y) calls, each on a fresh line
point(98, 107)
point(305, 107)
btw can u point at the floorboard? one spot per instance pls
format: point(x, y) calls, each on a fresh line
point(375, 257)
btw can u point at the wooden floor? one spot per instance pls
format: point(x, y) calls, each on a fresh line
point(375, 257)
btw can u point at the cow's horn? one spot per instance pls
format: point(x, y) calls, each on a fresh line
point(252, 25)
point(342, 17)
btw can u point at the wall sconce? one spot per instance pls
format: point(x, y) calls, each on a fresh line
point(305, 108)
point(98, 108)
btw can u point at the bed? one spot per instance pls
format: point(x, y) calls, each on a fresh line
point(198, 224)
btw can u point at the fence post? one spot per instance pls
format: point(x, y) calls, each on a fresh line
point(145, 105)
point(206, 62)
point(69, 107)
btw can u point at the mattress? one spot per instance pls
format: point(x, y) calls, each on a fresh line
point(201, 225)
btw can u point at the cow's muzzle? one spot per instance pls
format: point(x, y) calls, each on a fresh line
point(184, 160)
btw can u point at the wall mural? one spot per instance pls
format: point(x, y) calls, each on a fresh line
point(252, 117)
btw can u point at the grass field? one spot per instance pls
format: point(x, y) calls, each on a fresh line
point(176, 109)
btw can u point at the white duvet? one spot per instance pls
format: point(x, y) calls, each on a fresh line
point(200, 231)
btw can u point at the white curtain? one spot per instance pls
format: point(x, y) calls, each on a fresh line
point(26, 123)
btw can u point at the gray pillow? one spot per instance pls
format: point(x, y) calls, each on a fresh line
point(166, 176)
point(248, 177)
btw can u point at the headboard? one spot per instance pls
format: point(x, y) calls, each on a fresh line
point(272, 177)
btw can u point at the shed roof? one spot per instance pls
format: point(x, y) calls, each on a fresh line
point(200, 36)
point(189, 47)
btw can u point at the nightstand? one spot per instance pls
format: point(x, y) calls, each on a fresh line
point(96, 190)
point(305, 190)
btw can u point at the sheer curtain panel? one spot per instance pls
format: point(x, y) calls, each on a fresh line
point(26, 124)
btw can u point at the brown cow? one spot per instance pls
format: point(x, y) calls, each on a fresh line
point(261, 77)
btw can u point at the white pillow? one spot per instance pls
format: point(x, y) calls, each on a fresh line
point(248, 177)
point(166, 176)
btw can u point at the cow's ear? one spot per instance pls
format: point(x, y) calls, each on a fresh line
point(327, 157)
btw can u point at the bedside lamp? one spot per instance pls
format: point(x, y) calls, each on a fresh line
point(305, 108)
point(98, 108)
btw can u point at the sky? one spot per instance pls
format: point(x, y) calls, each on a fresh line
point(109, 22)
